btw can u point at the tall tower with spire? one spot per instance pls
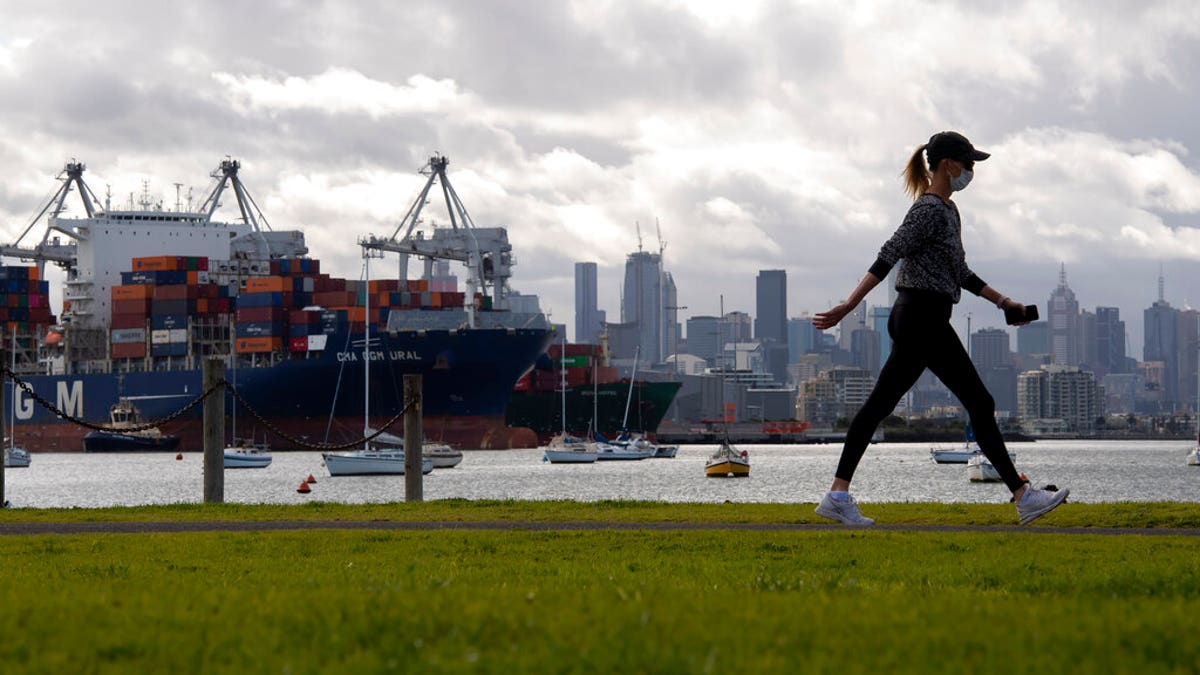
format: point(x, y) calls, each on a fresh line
point(1160, 323)
point(1062, 315)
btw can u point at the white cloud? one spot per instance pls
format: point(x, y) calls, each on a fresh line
point(341, 90)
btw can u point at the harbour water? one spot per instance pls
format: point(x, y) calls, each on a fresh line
point(1095, 471)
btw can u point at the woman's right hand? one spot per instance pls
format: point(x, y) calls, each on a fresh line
point(830, 318)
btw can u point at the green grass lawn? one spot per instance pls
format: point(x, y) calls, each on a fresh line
point(1127, 514)
point(843, 601)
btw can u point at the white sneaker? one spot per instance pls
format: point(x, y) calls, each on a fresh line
point(844, 512)
point(1036, 503)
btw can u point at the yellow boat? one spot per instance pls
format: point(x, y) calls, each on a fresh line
point(727, 461)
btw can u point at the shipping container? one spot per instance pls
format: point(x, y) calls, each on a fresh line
point(175, 292)
point(160, 337)
point(298, 344)
point(160, 307)
point(136, 292)
point(261, 329)
point(263, 300)
point(179, 335)
point(259, 314)
point(129, 351)
point(316, 343)
point(128, 335)
point(168, 321)
point(169, 349)
point(122, 321)
point(252, 345)
point(156, 263)
point(131, 307)
point(267, 285)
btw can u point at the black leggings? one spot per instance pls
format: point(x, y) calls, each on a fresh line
point(923, 338)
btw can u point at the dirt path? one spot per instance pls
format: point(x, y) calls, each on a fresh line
point(268, 526)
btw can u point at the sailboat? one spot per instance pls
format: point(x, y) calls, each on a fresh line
point(440, 454)
point(369, 460)
point(14, 457)
point(727, 460)
point(244, 453)
point(564, 448)
point(625, 446)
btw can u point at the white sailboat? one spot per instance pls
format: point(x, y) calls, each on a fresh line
point(368, 460)
point(628, 445)
point(243, 453)
point(564, 448)
point(440, 454)
point(14, 457)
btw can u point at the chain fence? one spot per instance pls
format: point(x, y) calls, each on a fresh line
point(271, 427)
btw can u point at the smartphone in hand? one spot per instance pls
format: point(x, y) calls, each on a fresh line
point(1013, 316)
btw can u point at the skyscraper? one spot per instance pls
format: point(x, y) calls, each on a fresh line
point(1110, 341)
point(703, 337)
point(802, 337)
point(588, 318)
point(1062, 315)
point(1160, 323)
point(993, 359)
point(643, 301)
point(770, 320)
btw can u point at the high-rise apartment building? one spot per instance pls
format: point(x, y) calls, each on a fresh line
point(1160, 323)
point(1064, 393)
point(770, 320)
point(589, 320)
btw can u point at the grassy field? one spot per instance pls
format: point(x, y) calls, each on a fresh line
point(601, 601)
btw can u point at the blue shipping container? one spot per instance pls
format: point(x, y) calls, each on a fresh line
point(260, 329)
point(260, 300)
point(169, 349)
point(168, 321)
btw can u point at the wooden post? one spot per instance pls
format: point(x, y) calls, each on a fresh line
point(214, 432)
point(413, 443)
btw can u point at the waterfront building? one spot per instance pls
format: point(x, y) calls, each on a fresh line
point(1064, 393)
point(703, 337)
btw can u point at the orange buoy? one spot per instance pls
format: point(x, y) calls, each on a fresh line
point(310, 480)
point(178, 456)
point(304, 489)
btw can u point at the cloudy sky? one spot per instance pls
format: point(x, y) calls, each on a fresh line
point(756, 134)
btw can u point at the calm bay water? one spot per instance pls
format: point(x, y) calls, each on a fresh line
point(1095, 471)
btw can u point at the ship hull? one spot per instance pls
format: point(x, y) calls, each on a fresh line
point(467, 378)
point(541, 411)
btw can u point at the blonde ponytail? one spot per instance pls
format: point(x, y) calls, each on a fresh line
point(916, 176)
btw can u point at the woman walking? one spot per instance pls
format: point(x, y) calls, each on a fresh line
point(933, 269)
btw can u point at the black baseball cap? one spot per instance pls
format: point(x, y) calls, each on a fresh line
point(952, 145)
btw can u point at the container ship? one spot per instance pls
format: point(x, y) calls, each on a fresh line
point(151, 293)
point(582, 372)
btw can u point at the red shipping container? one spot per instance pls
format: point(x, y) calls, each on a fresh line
point(298, 344)
point(134, 292)
point(131, 307)
point(120, 321)
point(260, 314)
point(133, 350)
point(174, 292)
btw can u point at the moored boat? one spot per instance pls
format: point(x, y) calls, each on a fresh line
point(16, 458)
point(369, 462)
point(124, 433)
point(440, 454)
point(245, 454)
point(565, 449)
point(727, 461)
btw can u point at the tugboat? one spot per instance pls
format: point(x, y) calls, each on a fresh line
point(122, 434)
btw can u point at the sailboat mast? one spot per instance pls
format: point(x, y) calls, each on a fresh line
point(562, 376)
point(12, 397)
point(367, 348)
point(625, 419)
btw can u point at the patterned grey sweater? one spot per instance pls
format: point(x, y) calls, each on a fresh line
point(930, 243)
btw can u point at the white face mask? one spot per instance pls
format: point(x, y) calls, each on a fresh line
point(962, 180)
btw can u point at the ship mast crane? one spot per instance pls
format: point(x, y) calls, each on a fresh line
point(485, 251)
point(48, 249)
point(227, 175)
